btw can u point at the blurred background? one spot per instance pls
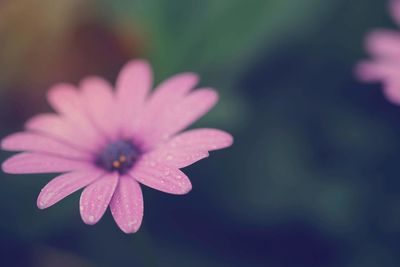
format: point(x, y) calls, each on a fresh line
point(312, 180)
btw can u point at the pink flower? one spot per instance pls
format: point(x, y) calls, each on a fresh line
point(108, 143)
point(384, 47)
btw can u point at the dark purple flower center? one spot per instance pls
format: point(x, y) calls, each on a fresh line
point(118, 156)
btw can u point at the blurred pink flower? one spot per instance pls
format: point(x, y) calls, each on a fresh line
point(384, 47)
point(109, 143)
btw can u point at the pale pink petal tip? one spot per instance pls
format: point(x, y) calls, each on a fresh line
point(383, 43)
point(392, 92)
point(168, 93)
point(191, 146)
point(64, 185)
point(193, 107)
point(361, 72)
point(161, 177)
point(63, 98)
point(135, 77)
point(26, 141)
point(394, 9)
point(96, 197)
point(181, 83)
point(369, 71)
point(127, 205)
point(218, 139)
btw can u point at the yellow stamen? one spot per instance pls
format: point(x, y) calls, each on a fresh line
point(122, 158)
point(116, 164)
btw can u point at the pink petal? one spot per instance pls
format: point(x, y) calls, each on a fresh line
point(41, 163)
point(394, 8)
point(384, 43)
point(190, 146)
point(133, 85)
point(178, 158)
point(96, 197)
point(127, 205)
point(181, 115)
point(72, 105)
point(100, 104)
point(376, 71)
point(59, 128)
point(64, 99)
point(64, 185)
point(392, 91)
point(166, 95)
point(169, 92)
point(161, 177)
point(26, 141)
point(385, 72)
point(173, 88)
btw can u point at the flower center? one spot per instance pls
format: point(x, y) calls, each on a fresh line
point(118, 156)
